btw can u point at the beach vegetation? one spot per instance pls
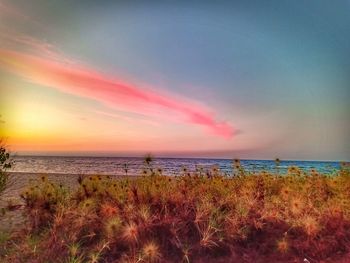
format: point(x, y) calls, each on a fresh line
point(199, 216)
point(6, 163)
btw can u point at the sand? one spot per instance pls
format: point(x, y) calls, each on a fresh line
point(18, 182)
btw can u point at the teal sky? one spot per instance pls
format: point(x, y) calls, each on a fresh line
point(252, 79)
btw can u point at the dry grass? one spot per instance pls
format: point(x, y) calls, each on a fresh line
point(195, 217)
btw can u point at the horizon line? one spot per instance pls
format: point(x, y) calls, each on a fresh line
point(161, 156)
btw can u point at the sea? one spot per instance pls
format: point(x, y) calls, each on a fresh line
point(169, 166)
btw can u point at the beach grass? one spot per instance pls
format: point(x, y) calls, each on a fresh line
point(201, 216)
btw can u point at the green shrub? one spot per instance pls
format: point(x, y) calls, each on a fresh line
point(5, 163)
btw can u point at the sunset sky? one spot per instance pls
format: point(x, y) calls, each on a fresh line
point(247, 79)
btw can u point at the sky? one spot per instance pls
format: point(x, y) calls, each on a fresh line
point(230, 79)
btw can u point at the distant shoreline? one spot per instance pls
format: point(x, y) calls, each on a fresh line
point(169, 166)
point(179, 157)
point(31, 174)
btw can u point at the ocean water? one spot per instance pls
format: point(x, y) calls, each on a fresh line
point(169, 166)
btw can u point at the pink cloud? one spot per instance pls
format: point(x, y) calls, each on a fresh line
point(57, 72)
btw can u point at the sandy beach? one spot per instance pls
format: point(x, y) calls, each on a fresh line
point(19, 181)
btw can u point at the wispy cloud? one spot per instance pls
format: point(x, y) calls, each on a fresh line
point(31, 44)
point(42, 63)
point(87, 82)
